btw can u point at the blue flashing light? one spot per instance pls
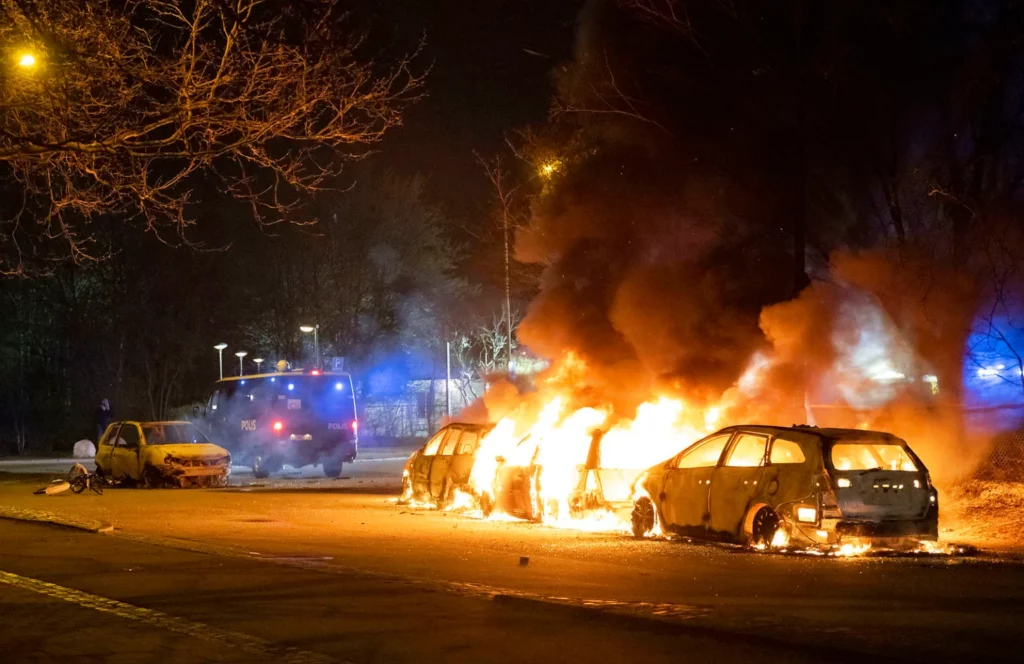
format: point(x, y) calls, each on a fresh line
point(243, 382)
point(338, 386)
point(291, 386)
point(273, 379)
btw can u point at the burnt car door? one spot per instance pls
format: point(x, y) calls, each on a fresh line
point(792, 475)
point(736, 483)
point(443, 460)
point(465, 453)
point(125, 457)
point(105, 448)
point(421, 467)
point(684, 494)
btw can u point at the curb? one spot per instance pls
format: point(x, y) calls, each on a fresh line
point(36, 516)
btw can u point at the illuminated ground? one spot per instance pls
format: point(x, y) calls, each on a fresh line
point(335, 567)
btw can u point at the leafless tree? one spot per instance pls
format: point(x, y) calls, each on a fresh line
point(123, 108)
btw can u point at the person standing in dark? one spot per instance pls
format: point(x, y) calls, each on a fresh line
point(104, 416)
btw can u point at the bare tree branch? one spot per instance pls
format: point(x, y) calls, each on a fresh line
point(129, 106)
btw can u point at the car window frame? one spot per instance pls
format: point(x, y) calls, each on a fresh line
point(139, 441)
point(734, 443)
point(468, 432)
point(771, 450)
point(439, 437)
point(110, 435)
point(700, 443)
point(454, 434)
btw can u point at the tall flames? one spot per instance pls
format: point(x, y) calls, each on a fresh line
point(555, 434)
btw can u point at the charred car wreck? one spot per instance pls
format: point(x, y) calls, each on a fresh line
point(769, 486)
point(157, 454)
point(435, 471)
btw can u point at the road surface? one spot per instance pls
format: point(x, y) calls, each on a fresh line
point(336, 569)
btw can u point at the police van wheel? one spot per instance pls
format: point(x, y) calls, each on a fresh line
point(333, 469)
point(260, 469)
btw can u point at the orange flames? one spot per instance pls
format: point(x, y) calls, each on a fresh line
point(548, 433)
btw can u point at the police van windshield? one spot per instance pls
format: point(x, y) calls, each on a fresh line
point(324, 396)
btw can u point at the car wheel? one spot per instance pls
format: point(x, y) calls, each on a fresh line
point(259, 469)
point(764, 526)
point(643, 517)
point(333, 470)
point(151, 478)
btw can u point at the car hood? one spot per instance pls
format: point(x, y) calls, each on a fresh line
point(187, 451)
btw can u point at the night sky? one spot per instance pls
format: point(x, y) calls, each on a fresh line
point(483, 84)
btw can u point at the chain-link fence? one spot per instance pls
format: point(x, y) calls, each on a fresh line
point(1005, 460)
point(398, 420)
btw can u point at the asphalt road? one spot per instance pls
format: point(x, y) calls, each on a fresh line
point(335, 568)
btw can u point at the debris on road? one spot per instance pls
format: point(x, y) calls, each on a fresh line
point(53, 488)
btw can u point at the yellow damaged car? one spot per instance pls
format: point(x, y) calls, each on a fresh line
point(158, 454)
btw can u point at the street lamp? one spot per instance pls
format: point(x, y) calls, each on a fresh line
point(26, 60)
point(220, 355)
point(315, 329)
point(258, 361)
point(240, 354)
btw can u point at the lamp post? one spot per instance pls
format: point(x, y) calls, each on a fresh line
point(240, 354)
point(220, 356)
point(315, 329)
point(258, 361)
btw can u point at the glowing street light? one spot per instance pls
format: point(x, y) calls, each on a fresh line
point(26, 60)
point(240, 354)
point(220, 355)
point(258, 361)
point(549, 168)
point(315, 329)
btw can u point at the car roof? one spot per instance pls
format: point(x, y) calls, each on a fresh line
point(808, 432)
point(469, 425)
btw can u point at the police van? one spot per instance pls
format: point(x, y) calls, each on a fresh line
point(298, 418)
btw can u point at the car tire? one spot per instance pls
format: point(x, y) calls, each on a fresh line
point(333, 471)
point(643, 517)
point(763, 527)
point(151, 478)
point(260, 470)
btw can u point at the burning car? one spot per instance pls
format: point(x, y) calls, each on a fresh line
point(435, 471)
point(767, 485)
point(156, 454)
point(519, 484)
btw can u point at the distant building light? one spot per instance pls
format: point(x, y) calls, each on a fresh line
point(888, 375)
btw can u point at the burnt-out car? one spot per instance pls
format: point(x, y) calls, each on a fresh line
point(443, 464)
point(766, 485)
point(157, 454)
point(518, 488)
